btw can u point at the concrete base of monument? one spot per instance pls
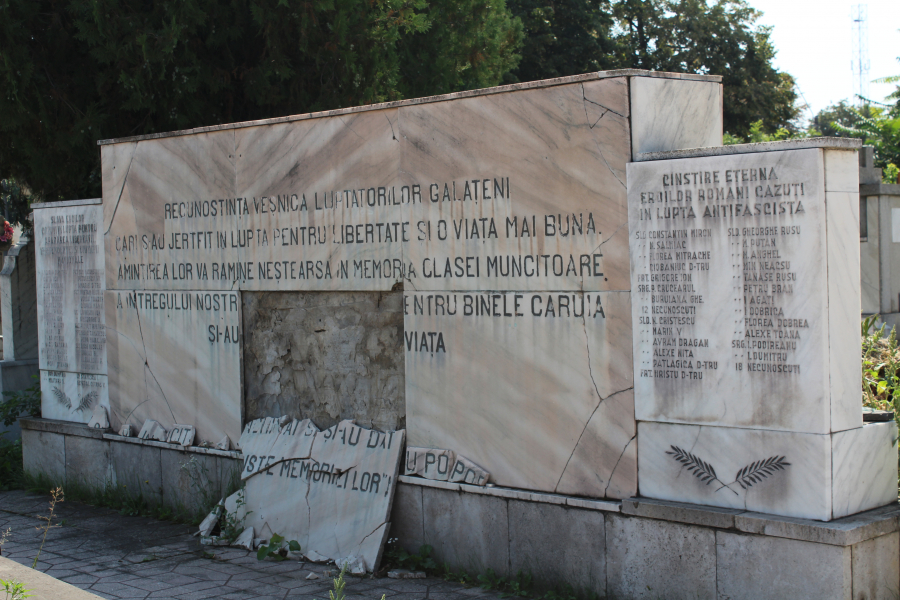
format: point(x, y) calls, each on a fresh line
point(641, 548)
point(183, 479)
point(636, 548)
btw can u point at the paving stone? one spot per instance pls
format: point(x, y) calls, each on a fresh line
point(103, 552)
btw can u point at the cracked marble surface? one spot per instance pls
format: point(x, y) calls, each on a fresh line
point(535, 388)
point(346, 476)
point(175, 358)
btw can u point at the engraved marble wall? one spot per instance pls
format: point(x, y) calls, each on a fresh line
point(70, 314)
point(175, 357)
point(515, 194)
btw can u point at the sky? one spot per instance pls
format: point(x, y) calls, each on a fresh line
point(814, 41)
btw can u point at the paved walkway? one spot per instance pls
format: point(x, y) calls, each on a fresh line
point(134, 557)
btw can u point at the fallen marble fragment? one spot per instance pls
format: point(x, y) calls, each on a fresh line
point(127, 430)
point(352, 564)
point(312, 576)
point(430, 463)
point(152, 430)
point(330, 490)
point(284, 421)
point(224, 444)
point(208, 523)
point(183, 435)
point(466, 471)
point(99, 418)
point(213, 540)
point(245, 540)
point(406, 574)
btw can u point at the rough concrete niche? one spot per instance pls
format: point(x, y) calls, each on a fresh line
point(326, 356)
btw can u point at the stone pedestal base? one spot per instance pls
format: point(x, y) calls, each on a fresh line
point(804, 475)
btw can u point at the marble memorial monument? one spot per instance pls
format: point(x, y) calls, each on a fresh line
point(745, 286)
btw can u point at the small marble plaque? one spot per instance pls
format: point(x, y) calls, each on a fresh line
point(183, 435)
point(68, 396)
point(345, 481)
point(175, 357)
point(99, 418)
point(70, 284)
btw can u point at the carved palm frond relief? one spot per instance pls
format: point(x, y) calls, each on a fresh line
point(700, 469)
point(87, 401)
point(759, 470)
point(62, 398)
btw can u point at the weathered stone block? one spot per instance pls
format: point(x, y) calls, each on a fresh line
point(468, 532)
point(138, 469)
point(189, 480)
point(407, 517)
point(558, 545)
point(656, 559)
point(325, 356)
point(44, 453)
point(875, 565)
point(752, 567)
point(88, 462)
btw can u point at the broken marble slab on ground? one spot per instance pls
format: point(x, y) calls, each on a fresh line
point(443, 465)
point(344, 476)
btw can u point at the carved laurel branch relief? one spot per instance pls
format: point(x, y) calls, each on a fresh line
point(85, 404)
point(746, 477)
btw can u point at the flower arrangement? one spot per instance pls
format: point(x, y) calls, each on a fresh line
point(6, 237)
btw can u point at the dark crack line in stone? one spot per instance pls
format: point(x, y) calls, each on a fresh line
point(613, 472)
point(393, 135)
point(602, 400)
point(122, 190)
point(147, 365)
point(606, 108)
point(588, 121)
point(351, 129)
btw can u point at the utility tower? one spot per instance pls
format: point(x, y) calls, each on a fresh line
point(859, 16)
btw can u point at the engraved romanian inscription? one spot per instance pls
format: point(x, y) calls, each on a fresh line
point(70, 283)
point(727, 273)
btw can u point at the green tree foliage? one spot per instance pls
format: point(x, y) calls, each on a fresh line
point(564, 37)
point(75, 71)
point(875, 123)
point(683, 36)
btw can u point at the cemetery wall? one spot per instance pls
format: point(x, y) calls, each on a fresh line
point(636, 548)
point(326, 356)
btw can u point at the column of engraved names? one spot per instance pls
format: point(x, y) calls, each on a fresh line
point(768, 333)
point(672, 299)
point(90, 332)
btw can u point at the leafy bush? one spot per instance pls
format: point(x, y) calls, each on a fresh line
point(880, 367)
point(26, 402)
point(11, 474)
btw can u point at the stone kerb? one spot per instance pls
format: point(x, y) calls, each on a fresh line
point(745, 275)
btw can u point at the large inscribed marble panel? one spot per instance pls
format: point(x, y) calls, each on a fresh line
point(309, 205)
point(731, 285)
point(71, 321)
point(535, 388)
point(175, 357)
point(70, 284)
point(521, 191)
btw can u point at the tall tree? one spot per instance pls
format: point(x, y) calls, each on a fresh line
point(722, 38)
point(75, 71)
point(684, 36)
